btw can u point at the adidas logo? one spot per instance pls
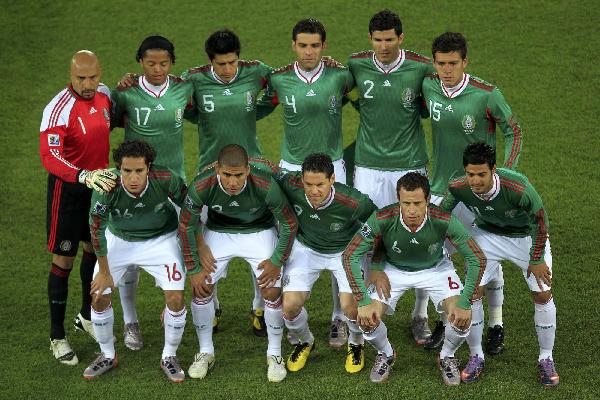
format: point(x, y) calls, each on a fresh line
point(315, 216)
point(413, 241)
point(489, 208)
point(159, 108)
point(387, 83)
point(140, 205)
point(92, 110)
point(311, 93)
point(227, 92)
point(449, 108)
point(234, 204)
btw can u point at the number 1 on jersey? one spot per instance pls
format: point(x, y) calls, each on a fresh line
point(137, 114)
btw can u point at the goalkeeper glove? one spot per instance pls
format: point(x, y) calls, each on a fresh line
point(100, 180)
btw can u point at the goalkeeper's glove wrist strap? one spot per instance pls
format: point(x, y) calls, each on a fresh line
point(81, 175)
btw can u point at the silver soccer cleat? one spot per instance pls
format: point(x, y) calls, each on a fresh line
point(132, 337)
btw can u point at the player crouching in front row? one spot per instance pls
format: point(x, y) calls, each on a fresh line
point(410, 236)
point(142, 231)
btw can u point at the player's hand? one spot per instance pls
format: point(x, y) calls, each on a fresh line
point(330, 62)
point(101, 282)
point(460, 318)
point(368, 317)
point(542, 274)
point(270, 274)
point(100, 180)
point(127, 80)
point(381, 282)
point(201, 284)
point(206, 258)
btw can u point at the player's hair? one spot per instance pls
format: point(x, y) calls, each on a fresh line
point(413, 181)
point(319, 163)
point(479, 153)
point(134, 149)
point(448, 42)
point(309, 25)
point(222, 42)
point(233, 155)
point(385, 20)
point(155, 43)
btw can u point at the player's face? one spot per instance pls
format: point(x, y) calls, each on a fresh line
point(386, 45)
point(134, 174)
point(308, 47)
point(232, 178)
point(413, 205)
point(225, 65)
point(85, 78)
point(317, 187)
point(450, 67)
point(156, 65)
point(480, 177)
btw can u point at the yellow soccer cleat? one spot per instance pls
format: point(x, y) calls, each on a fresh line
point(355, 358)
point(297, 359)
point(259, 327)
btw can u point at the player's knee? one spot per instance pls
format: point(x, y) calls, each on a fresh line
point(87, 247)
point(291, 309)
point(64, 262)
point(175, 300)
point(349, 307)
point(542, 297)
point(271, 294)
point(101, 302)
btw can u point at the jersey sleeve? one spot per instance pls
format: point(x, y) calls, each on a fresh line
point(449, 201)
point(532, 203)
point(288, 224)
point(118, 108)
point(365, 208)
point(268, 101)
point(177, 189)
point(189, 218)
point(361, 243)
point(349, 83)
point(99, 214)
point(474, 258)
point(500, 112)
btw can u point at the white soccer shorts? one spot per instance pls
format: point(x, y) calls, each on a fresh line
point(159, 256)
point(440, 282)
point(515, 249)
point(380, 185)
point(304, 267)
point(339, 169)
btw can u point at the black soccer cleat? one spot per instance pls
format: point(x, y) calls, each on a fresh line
point(495, 340)
point(437, 337)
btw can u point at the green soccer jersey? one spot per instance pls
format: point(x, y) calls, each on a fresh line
point(329, 228)
point(312, 109)
point(468, 115)
point(390, 134)
point(226, 112)
point(155, 117)
point(254, 209)
point(132, 218)
point(513, 208)
point(410, 250)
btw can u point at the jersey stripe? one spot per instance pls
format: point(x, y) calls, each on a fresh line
point(186, 251)
point(362, 54)
point(516, 146)
point(297, 182)
point(260, 182)
point(283, 69)
point(540, 237)
point(436, 213)
point(205, 183)
point(346, 200)
point(411, 55)
point(350, 249)
point(378, 250)
point(482, 264)
point(292, 222)
point(458, 183)
point(94, 227)
point(54, 213)
point(58, 107)
point(481, 85)
point(388, 213)
point(203, 68)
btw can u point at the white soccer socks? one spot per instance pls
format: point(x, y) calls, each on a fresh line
point(475, 335)
point(203, 313)
point(421, 301)
point(298, 327)
point(258, 303)
point(454, 337)
point(379, 340)
point(274, 322)
point(494, 291)
point(355, 335)
point(545, 327)
point(103, 322)
point(127, 293)
point(174, 322)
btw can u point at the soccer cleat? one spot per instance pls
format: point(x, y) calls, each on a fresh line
point(203, 362)
point(382, 368)
point(84, 325)
point(437, 337)
point(132, 337)
point(217, 320)
point(63, 352)
point(495, 340)
point(259, 327)
point(472, 370)
point(355, 358)
point(172, 369)
point(449, 367)
point(420, 330)
point(276, 371)
point(299, 355)
point(100, 365)
point(548, 374)
point(338, 336)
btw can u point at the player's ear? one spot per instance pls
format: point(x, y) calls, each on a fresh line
point(325, 45)
point(465, 62)
point(401, 38)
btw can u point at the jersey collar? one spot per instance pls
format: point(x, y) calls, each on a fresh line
point(391, 67)
point(221, 81)
point(225, 191)
point(154, 91)
point(309, 76)
point(491, 195)
point(326, 203)
point(456, 90)
point(407, 227)
point(132, 195)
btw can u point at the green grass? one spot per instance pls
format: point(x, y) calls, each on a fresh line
point(541, 54)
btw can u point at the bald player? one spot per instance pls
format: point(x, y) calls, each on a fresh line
point(74, 149)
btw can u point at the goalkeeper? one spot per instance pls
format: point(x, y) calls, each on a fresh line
point(74, 148)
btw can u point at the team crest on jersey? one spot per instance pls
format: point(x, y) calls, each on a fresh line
point(53, 139)
point(510, 213)
point(100, 208)
point(189, 203)
point(106, 116)
point(336, 226)
point(249, 101)
point(217, 208)
point(159, 207)
point(253, 210)
point(408, 96)
point(66, 245)
point(469, 124)
point(333, 104)
point(433, 248)
point(178, 117)
point(365, 230)
point(298, 209)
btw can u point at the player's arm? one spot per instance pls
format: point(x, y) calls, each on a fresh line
point(190, 113)
point(277, 203)
point(118, 108)
point(267, 102)
point(449, 201)
point(473, 256)
point(177, 190)
point(189, 221)
point(532, 203)
point(98, 219)
point(349, 86)
point(501, 114)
